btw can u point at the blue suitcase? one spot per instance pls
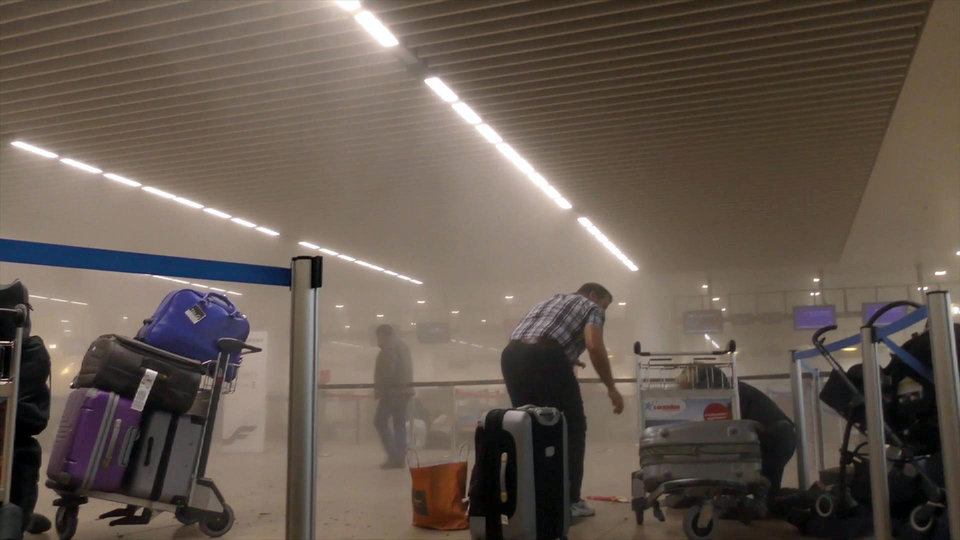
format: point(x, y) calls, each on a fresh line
point(189, 323)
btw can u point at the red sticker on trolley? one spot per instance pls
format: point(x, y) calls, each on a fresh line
point(717, 411)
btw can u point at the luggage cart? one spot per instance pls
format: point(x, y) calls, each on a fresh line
point(659, 397)
point(204, 504)
point(10, 352)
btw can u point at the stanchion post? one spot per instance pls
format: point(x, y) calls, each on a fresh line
point(800, 421)
point(947, 383)
point(305, 282)
point(817, 420)
point(876, 436)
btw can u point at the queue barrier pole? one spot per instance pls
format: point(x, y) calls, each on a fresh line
point(876, 436)
point(800, 421)
point(947, 383)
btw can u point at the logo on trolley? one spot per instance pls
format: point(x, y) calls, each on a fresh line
point(664, 408)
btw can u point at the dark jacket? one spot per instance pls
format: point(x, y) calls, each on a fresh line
point(33, 409)
point(393, 371)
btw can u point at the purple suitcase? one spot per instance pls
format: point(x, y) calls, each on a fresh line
point(94, 442)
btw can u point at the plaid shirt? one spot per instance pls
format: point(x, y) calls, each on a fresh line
point(562, 318)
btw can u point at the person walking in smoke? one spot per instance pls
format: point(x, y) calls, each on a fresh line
point(392, 376)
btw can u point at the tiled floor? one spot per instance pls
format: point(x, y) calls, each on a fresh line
point(358, 500)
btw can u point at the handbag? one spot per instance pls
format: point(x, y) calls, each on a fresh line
point(439, 493)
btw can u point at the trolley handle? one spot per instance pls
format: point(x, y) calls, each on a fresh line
point(890, 306)
point(731, 348)
point(230, 346)
point(19, 314)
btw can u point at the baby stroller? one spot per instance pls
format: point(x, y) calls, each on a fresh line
point(915, 472)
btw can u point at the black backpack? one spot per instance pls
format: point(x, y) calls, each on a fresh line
point(10, 296)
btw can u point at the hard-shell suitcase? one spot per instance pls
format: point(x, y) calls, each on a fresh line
point(94, 441)
point(717, 450)
point(117, 364)
point(164, 458)
point(189, 323)
point(520, 487)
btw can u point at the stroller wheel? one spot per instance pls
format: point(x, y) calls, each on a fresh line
point(824, 505)
point(692, 528)
point(921, 518)
point(66, 521)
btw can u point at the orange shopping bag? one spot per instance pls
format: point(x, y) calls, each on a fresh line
point(438, 494)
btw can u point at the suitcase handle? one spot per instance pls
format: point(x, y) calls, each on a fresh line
point(224, 301)
point(504, 493)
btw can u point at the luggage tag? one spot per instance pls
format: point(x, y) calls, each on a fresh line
point(195, 313)
point(146, 384)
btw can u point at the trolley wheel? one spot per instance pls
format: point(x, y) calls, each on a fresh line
point(187, 516)
point(215, 525)
point(68, 516)
point(693, 530)
point(921, 519)
point(825, 505)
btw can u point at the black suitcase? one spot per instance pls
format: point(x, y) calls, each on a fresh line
point(117, 364)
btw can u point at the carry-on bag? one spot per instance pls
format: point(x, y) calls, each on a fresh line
point(12, 295)
point(520, 487)
point(439, 493)
point(94, 441)
point(718, 450)
point(117, 364)
point(164, 458)
point(189, 323)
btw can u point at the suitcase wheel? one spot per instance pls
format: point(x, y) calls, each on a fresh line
point(187, 516)
point(216, 525)
point(68, 516)
point(692, 528)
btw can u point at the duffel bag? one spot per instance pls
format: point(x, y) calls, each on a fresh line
point(189, 323)
point(117, 364)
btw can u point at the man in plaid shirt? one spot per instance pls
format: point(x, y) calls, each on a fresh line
point(538, 366)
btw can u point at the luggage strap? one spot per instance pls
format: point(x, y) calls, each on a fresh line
point(493, 435)
point(699, 449)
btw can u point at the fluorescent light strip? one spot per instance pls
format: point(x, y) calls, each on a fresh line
point(235, 293)
point(34, 149)
point(466, 113)
point(350, 6)
point(308, 245)
point(80, 165)
point(518, 162)
point(243, 223)
point(592, 229)
point(158, 192)
point(441, 90)
point(122, 180)
point(79, 303)
point(188, 202)
point(61, 300)
point(346, 257)
point(940, 273)
point(330, 252)
point(267, 231)
point(375, 28)
point(217, 289)
point(489, 134)
point(215, 212)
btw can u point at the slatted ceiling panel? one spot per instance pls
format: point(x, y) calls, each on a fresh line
point(660, 120)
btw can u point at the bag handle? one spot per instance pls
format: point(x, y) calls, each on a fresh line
point(464, 451)
point(224, 301)
point(415, 456)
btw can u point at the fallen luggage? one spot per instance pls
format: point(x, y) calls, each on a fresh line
point(718, 450)
point(94, 441)
point(520, 488)
point(117, 364)
point(189, 323)
point(164, 458)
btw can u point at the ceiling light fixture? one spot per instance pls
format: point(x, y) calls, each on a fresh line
point(74, 302)
point(61, 300)
point(489, 134)
point(375, 28)
point(308, 245)
point(816, 280)
point(704, 286)
point(122, 180)
point(268, 232)
point(509, 297)
point(330, 252)
point(466, 113)
point(80, 165)
point(217, 289)
point(34, 149)
point(244, 223)
point(593, 230)
point(717, 299)
point(849, 349)
point(235, 293)
point(484, 321)
point(158, 192)
point(350, 6)
point(621, 303)
point(346, 257)
point(515, 158)
point(200, 285)
point(379, 315)
point(455, 312)
point(421, 301)
point(723, 309)
point(188, 202)
point(217, 213)
point(442, 90)
point(940, 273)
point(339, 306)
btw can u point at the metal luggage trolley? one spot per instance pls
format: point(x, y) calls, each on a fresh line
point(660, 401)
point(10, 352)
point(203, 504)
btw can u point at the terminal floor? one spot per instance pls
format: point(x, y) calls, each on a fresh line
point(358, 500)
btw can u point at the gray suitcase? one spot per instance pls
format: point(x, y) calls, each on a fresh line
point(713, 450)
point(164, 458)
point(523, 453)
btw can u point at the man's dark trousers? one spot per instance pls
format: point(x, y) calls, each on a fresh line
point(394, 441)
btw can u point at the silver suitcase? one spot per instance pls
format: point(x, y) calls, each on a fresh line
point(710, 450)
point(531, 476)
point(165, 457)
